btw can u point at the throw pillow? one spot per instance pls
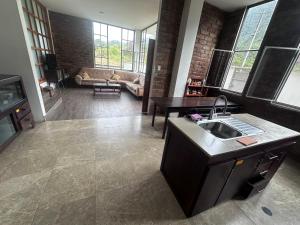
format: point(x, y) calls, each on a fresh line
point(85, 76)
point(136, 81)
point(115, 77)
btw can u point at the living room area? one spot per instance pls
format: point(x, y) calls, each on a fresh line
point(101, 50)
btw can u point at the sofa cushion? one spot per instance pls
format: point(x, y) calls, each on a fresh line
point(85, 76)
point(97, 73)
point(78, 79)
point(133, 86)
point(136, 80)
point(115, 77)
point(126, 75)
point(92, 81)
point(119, 81)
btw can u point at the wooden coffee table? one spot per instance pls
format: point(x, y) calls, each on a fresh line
point(106, 88)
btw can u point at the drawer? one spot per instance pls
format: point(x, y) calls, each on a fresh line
point(270, 161)
point(22, 110)
point(27, 122)
point(254, 186)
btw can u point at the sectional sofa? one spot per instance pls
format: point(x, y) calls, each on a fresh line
point(133, 82)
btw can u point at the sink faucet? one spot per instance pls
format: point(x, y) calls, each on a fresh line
point(213, 111)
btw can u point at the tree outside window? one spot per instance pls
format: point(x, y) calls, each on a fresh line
point(248, 43)
point(114, 47)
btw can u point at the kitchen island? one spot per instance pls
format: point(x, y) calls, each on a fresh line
point(204, 170)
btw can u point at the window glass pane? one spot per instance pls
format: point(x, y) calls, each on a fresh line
point(250, 38)
point(96, 28)
point(104, 52)
point(124, 34)
point(33, 23)
point(29, 5)
point(36, 40)
point(98, 61)
point(43, 31)
point(114, 46)
point(239, 70)
point(40, 15)
point(46, 43)
point(290, 93)
point(255, 25)
point(103, 29)
point(31, 40)
point(27, 19)
point(34, 8)
point(103, 42)
point(127, 60)
point(97, 41)
point(104, 62)
point(131, 35)
point(125, 45)
point(41, 41)
point(97, 52)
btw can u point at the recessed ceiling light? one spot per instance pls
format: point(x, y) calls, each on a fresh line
point(101, 12)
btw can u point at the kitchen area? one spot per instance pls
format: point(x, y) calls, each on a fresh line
point(222, 157)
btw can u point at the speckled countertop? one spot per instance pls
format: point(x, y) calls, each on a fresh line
point(214, 146)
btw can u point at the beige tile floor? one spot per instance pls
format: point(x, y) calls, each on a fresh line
point(106, 172)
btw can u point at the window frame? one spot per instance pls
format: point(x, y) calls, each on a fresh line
point(246, 11)
point(143, 50)
point(38, 27)
point(107, 43)
point(284, 81)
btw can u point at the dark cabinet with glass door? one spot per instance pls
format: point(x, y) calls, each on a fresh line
point(15, 112)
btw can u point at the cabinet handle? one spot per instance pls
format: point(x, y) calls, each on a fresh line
point(263, 172)
point(272, 156)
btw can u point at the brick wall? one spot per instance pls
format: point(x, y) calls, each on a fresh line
point(210, 27)
point(168, 30)
point(73, 41)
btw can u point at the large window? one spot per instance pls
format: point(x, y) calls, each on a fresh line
point(148, 33)
point(114, 47)
point(36, 17)
point(252, 32)
point(290, 94)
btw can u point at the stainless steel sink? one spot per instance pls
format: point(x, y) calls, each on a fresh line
point(226, 128)
point(221, 130)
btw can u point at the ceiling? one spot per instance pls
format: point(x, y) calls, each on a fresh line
point(132, 14)
point(231, 5)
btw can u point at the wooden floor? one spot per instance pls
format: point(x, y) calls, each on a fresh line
point(79, 103)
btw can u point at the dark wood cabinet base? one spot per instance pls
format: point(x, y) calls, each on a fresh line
point(15, 116)
point(200, 182)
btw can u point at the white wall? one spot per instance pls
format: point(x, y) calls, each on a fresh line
point(186, 41)
point(16, 57)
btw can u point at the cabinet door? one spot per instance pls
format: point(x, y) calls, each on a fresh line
point(211, 188)
point(183, 166)
point(243, 170)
